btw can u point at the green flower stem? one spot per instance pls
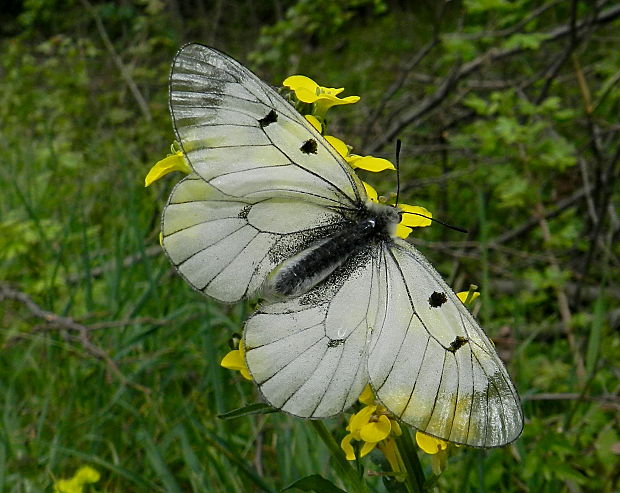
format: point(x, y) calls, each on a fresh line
point(409, 455)
point(349, 475)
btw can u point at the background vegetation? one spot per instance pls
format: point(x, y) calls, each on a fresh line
point(508, 110)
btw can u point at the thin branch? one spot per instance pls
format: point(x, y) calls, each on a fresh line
point(562, 299)
point(77, 331)
point(128, 261)
point(142, 104)
point(573, 41)
point(459, 72)
point(560, 207)
point(606, 401)
point(586, 180)
point(435, 180)
point(396, 85)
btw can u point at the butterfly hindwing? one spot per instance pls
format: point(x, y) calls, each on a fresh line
point(226, 246)
point(308, 354)
point(429, 361)
point(244, 139)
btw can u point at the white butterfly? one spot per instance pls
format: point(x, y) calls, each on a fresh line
point(272, 209)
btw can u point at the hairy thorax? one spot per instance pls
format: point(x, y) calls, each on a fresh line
point(301, 272)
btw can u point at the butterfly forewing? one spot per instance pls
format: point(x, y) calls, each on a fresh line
point(246, 140)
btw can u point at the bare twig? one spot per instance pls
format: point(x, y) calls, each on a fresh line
point(560, 207)
point(586, 180)
point(562, 299)
point(396, 85)
point(128, 261)
point(434, 180)
point(142, 104)
point(78, 331)
point(460, 72)
point(607, 401)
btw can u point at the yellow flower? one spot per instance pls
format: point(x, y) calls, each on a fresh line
point(368, 163)
point(372, 425)
point(83, 476)
point(437, 448)
point(315, 123)
point(371, 192)
point(414, 217)
point(322, 98)
point(235, 360)
point(429, 444)
point(172, 162)
point(468, 297)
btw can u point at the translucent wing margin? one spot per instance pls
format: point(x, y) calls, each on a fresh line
point(429, 361)
point(226, 246)
point(308, 354)
point(244, 139)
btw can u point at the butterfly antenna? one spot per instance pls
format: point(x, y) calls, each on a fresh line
point(398, 146)
point(455, 228)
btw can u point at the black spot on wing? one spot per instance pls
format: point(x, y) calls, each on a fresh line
point(335, 342)
point(457, 343)
point(309, 147)
point(243, 213)
point(437, 299)
point(268, 119)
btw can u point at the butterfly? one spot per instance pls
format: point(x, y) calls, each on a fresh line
point(272, 210)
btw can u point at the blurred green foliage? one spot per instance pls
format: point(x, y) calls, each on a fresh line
point(509, 115)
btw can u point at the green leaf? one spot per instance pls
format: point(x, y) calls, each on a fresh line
point(256, 408)
point(530, 41)
point(567, 473)
point(155, 457)
point(460, 47)
point(479, 105)
point(315, 482)
point(475, 6)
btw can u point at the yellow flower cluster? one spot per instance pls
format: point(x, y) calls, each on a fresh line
point(84, 475)
point(376, 428)
point(322, 98)
point(372, 425)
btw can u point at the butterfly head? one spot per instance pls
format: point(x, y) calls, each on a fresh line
point(386, 216)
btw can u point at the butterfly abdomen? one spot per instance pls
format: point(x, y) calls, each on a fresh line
point(300, 273)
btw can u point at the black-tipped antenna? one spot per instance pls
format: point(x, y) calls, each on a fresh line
point(455, 228)
point(398, 145)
